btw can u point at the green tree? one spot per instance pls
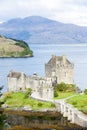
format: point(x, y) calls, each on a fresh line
point(63, 87)
point(55, 93)
point(2, 116)
point(85, 91)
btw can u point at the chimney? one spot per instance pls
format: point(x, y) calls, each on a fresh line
point(64, 59)
point(53, 56)
point(22, 74)
point(11, 73)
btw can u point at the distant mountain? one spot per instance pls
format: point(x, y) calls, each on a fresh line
point(36, 29)
point(14, 48)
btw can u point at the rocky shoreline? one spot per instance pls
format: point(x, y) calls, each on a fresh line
point(48, 120)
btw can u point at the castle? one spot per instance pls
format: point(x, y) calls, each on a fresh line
point(60, 68)
point(57, 70)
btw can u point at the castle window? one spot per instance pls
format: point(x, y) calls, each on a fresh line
point(20, 89)
point(65, 74)
point(47, 90)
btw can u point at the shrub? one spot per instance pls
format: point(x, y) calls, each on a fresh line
point(85, 109)
point(61, 87)
point(28, 92)
point(65, 87)
point(40, 104)
point(55, 93)
point(7, 95)
point(2, 116)
point(26, 51)
point(18, 128)
point(74, 103)
point(53, 105)
point(85, 91)
point(22, 44)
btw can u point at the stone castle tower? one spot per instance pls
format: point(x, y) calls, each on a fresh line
point(61, 69)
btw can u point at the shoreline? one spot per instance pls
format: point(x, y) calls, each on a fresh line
point(3, 57)
point(40, 120)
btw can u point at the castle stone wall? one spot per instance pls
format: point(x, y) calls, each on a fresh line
point(41, 87)
point(65, 74)
point(16, 84)
point(57, 70)
point(60, 68)
point(12, 84)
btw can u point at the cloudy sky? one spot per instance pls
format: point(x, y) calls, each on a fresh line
point(67, 11)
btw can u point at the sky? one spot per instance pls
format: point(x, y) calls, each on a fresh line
point(66, 11)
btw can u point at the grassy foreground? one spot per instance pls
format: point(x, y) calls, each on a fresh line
point(19, 100)
point(80, 102)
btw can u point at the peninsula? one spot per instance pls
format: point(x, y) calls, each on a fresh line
point(14, 48)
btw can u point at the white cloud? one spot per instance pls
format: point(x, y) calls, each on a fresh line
point(68, 11)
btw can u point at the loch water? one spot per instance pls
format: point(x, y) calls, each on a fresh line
point(76, 53)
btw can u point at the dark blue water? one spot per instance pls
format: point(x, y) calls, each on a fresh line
point(76, 53)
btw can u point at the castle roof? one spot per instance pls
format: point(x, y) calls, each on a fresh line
point(15, 74)
point(60, 59)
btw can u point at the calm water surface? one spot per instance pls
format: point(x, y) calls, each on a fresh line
point(76, 53)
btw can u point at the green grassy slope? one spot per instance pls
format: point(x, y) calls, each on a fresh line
point(21, 99)
point(80, 102)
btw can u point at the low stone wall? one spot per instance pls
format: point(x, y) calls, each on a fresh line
point(80, 119)
point(72, 114)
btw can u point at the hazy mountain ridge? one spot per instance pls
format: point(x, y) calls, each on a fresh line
point(36, 29)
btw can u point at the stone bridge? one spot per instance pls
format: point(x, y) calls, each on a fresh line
point(72, 114)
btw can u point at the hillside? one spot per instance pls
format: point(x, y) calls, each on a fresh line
point(36, 29)
point(14, 48)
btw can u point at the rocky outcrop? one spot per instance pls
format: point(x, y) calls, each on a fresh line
point(41, 120)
